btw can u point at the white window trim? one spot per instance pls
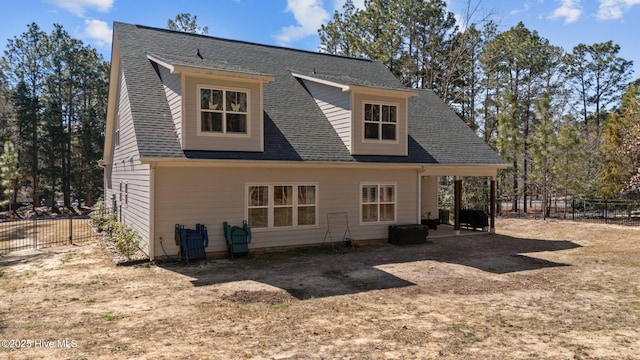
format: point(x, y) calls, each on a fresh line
point(271, 206)
point(395, 203)
point(116, 135)
point(381, 141)
point(225, 89)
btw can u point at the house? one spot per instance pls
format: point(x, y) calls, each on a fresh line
point(206, 130)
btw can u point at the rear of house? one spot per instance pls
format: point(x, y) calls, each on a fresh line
point(202, 130)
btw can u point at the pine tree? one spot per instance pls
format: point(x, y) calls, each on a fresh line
point(340, 35)
point(186, 22)
point(57, 90)
point(544, 152)
point(26, 66)
point(570, 158)
point(9, 174)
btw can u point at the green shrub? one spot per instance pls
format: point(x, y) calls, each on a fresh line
point(101, 217)
point(112, 228)
point(126, 240)
point(125, 237)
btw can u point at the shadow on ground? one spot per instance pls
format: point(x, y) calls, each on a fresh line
point(23, 256)
point(320, 272)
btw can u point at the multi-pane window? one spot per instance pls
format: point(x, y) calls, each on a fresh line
point(378, 202)
point(380, 121)
point(258, 206)
point(223, 111)
point(306, 204)
point(281, 205)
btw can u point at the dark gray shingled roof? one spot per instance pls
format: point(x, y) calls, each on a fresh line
point(295, 129)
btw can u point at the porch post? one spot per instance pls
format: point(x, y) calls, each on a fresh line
point(457, 201)
point(492, 200)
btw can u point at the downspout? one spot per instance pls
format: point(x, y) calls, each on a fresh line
point(152, 196)
point(103, 165)
point(419, 210)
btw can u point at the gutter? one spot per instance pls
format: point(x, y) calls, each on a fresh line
point(437, 168)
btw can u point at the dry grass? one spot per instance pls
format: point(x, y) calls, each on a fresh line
point(536, 290)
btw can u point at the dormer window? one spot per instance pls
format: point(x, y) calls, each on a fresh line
point(380, 121)
point(223, 111)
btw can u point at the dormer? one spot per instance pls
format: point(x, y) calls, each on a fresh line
point(215, 106)
point(370, 120)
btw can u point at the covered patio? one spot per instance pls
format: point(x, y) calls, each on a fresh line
point(429, 202)
point(448, 230)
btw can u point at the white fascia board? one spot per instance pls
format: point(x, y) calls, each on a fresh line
point(406, 93)
point(114, 83)
point(343, 87)
point(161, 62)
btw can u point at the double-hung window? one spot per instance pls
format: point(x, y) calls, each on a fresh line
point(380, 121)
point(378, 203)
point(223, 111)
point(282, 205)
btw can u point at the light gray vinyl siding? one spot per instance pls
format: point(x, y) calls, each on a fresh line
point(252, 141)
point(429, 194)
point(336, 106)
point(127, 170)
point(173, 90)
point(208, 195)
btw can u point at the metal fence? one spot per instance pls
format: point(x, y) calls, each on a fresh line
point(622, 212)
point(40, 231)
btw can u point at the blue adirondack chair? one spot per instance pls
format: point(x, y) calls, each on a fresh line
point(238, 238)
point(192, 242)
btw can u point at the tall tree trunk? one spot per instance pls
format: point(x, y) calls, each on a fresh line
point(514, 207)
point(34, 155)
point(67, 173)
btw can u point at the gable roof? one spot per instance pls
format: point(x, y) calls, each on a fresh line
point(295, 129)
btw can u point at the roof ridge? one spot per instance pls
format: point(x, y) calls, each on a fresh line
point(244, 42)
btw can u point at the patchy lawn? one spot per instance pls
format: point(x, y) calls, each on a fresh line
point(537, 289)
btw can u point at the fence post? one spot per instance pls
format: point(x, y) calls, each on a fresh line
point(70, 229)
point(573, 209)
point(606, 209)
point(35, 232)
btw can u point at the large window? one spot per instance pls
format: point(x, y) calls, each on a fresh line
point(380, 121)
point(223, 111)
point(282, 205)
point(378, 203)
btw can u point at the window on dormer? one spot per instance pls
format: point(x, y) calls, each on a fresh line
point(380, 121)
point(223, 111)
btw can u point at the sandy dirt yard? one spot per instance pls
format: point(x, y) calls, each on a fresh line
point(535, 290)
